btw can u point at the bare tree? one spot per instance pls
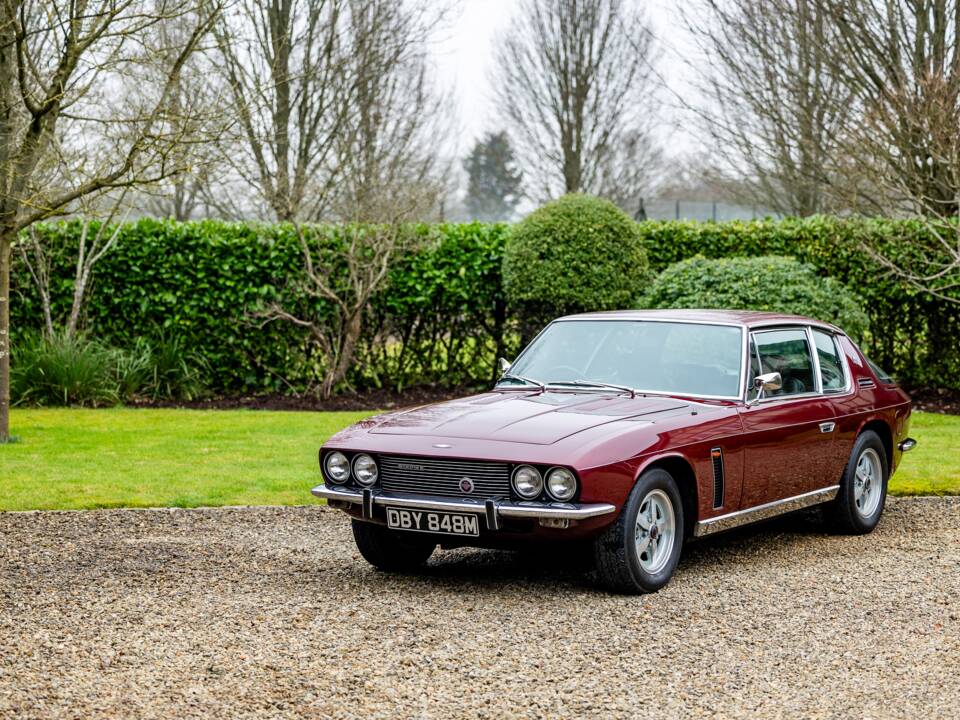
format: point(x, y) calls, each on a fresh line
point(284, 64)
point(387, 174)
point(61, 67)
point(900, 61)
point(97, 238)
point(770, 103)
point(575, 81)
point(388, 148)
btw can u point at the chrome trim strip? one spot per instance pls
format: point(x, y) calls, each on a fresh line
point(503, 508)
point(767, 510)
point(907, 445)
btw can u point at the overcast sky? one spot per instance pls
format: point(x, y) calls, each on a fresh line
point(464, 59)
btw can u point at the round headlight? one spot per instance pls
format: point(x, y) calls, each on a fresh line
point(527, 481)
point(337, 467)
point(561, 484)
point(365, 469)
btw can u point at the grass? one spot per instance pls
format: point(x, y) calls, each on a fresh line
point(72, 459)
point(125, 457)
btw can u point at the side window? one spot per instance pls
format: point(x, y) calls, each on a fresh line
point(831, 364)
point(788, 353)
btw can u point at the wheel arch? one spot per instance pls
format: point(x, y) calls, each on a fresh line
point(682, 471)
point(882, 428)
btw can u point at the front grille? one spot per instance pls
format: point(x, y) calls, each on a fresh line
point(433, 476)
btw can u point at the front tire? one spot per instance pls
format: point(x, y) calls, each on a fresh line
point(863, 487)
point(640, 551)
point(391, 550)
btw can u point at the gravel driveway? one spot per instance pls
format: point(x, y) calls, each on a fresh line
point(270, 612)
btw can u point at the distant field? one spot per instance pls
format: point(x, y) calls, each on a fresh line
point(70, 459)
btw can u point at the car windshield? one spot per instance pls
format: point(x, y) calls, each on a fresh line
point(661, 357)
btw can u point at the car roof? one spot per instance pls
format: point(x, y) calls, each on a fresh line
point(745, 318)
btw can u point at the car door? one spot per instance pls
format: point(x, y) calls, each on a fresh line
point(788, 433)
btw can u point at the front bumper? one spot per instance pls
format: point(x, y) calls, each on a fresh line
point(552, 514)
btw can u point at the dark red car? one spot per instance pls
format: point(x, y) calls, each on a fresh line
point(631, 431)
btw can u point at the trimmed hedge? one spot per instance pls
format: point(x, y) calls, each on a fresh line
point(443, 316)
point(769, 283)
point(575, 254)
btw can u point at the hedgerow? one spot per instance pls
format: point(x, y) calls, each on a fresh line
point(443, 315)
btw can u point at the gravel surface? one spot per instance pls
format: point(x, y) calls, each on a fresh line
point(270, 612)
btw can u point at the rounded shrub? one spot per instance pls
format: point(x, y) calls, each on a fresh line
point(771, 283)
point(575, 254)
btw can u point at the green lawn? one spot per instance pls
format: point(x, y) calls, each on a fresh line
point(184, 458)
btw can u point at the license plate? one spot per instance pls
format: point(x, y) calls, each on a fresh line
point(434, 522)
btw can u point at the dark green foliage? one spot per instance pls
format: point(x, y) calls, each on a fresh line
point(575, 254)
point(770, 283)
point(63, 370)
point(493, 179)
point(76, 370)
point(441, 317)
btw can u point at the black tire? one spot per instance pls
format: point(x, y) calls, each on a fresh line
point(845, 513)
point(615, 552)
point(392, 550)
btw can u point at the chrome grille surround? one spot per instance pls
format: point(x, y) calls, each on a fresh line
point(440, 476)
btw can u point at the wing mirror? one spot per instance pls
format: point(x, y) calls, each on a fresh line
point(768, 382)
point(504, 366)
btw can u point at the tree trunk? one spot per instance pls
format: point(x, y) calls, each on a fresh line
point(6, 254)
point(338, 372)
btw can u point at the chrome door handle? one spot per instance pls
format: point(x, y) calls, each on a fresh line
point(827, 427)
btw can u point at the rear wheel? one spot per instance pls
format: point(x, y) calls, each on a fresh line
point(640, 551)
point(391, 550)
point(863, 487)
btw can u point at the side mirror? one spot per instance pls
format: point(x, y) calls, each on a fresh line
point(504, 366)
point(768, 382)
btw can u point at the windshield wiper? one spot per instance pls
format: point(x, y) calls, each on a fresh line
point(521, 378)
point(597, 383)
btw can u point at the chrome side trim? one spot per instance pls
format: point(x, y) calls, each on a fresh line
point(502, 508)
point(907, 445)
point(767, 510)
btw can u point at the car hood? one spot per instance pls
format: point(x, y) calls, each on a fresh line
point(537, 418)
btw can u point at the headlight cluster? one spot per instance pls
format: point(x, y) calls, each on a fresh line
point(337, 468)
point(528, 483)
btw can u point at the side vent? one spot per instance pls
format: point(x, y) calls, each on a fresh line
point(866, 383)
point(716, 456)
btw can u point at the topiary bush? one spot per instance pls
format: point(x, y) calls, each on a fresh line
point(771, 283)
point(575, 254)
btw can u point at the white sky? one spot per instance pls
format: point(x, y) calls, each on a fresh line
point(464, 59)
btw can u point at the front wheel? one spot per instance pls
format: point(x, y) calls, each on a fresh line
point(391, 550)
point(640, 551)
point(863, 487)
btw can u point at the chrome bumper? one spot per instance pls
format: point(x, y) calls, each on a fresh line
point(492, 509)
point(907, 445)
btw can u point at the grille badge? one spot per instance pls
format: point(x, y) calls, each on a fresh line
point(466, 485)
point(410, 466)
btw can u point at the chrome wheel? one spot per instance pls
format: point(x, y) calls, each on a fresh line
point(868, 483)
point(655, 531)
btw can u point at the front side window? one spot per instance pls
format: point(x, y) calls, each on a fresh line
point(662, 357)
point(788, 353)
point(831, 364)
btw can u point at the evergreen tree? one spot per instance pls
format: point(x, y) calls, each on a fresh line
point(494, 181)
